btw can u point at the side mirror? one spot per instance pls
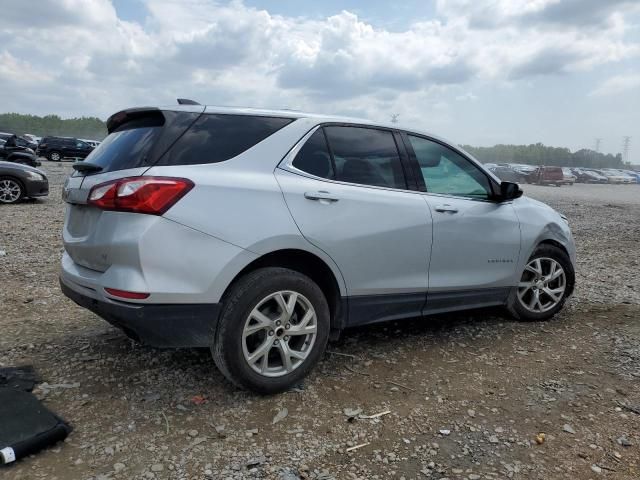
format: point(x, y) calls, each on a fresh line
point(510, 191)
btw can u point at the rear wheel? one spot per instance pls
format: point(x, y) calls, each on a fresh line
point(545, 284)
point(11, 190)
point(273, 328)
point(55, 156)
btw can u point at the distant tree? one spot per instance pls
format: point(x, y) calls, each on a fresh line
point(84, 127)
point(539, 154)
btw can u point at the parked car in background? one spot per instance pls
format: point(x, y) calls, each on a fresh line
point(92, 143)
point(588, 176)
point(569, 177)
point(633, 174)
point(547, 176)
point(19, 181)
point(508, 174)
point(616, 176)
point(18, 140)
point(261, 233)
point(523, 168)
point(32, 138)
point(13, 150)
point(57, 148)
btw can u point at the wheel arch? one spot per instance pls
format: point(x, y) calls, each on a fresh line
point(311, 265)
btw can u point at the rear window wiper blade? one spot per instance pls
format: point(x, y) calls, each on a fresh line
point(86, 167)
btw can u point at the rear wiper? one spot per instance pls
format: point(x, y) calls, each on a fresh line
point(86, 167)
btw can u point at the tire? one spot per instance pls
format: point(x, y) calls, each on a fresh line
point(11, 190)
point(520, 295)
point(259, 291)
point(55, 156)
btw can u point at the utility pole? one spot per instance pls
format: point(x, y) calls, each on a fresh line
point(394, 117)
point(626, 141)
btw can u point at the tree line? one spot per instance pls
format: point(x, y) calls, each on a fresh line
point(91, 128)
point(534, 154)
point(539, 154)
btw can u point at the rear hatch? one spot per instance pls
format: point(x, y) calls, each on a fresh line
point(137, 140)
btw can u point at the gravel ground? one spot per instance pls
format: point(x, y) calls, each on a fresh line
point(469, 396)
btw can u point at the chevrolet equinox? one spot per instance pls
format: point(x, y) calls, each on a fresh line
point(263, 234)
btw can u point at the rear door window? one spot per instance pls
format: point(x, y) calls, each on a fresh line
point(314, 157)
point(217, 137)
point(366, 156)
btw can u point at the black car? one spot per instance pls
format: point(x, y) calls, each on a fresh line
point(13, 150)
point(508, 174)
point(20, 181)
point(20, 141)
point(57, 148)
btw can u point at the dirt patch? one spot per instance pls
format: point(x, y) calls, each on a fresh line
point(468, 394)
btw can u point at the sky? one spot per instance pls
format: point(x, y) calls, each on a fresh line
point(479, 72)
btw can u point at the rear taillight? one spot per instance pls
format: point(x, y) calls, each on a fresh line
point(151, 195)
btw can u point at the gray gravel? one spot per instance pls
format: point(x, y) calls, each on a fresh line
point(470, 396)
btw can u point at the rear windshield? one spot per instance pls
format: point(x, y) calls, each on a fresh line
point(216, 138)
point(210, 138)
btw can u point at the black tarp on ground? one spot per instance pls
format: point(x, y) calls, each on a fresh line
point(23, 378)
point(26, 425)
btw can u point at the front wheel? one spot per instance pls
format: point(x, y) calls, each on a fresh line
point(545, 284)
point(55, 156)
point(273, 328)
point(11, 190)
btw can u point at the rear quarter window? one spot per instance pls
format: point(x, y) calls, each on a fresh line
point(218, 137)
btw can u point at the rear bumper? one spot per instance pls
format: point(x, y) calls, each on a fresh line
point(158, 325)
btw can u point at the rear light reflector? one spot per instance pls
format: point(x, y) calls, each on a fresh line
point(150, 195)
point(125, 294)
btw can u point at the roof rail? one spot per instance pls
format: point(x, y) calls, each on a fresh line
point(186, 101)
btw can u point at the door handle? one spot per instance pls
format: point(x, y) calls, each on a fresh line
point(321, 195)
point(446, 208)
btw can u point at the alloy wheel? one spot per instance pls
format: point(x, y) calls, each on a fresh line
point(55, 157)
point(279, 333)
point(10, 191)
point(542, 285)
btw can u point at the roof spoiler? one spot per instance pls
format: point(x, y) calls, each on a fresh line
point(186, 101)
point(123, 116)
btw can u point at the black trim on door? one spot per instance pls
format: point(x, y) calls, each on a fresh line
point(407, 165)
point(368, 309)
point(451, 301)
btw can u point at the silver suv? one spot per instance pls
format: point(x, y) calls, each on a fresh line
point(263, 234)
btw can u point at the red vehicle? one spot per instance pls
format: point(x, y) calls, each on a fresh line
point(547, 176)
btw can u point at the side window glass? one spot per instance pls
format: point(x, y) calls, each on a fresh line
point(445, 171)
point(366, 156)
point(314, 157)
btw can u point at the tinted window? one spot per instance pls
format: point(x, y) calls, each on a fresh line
point(215, 138)
point(314, 157)
point(126, 148)
point(448, 172)
point(367, 156)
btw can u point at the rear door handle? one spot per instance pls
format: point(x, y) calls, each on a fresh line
point(321, 195)
point(446, 208)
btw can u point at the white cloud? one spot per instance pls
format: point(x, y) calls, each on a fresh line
point(618, 84)
point(233, 54)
